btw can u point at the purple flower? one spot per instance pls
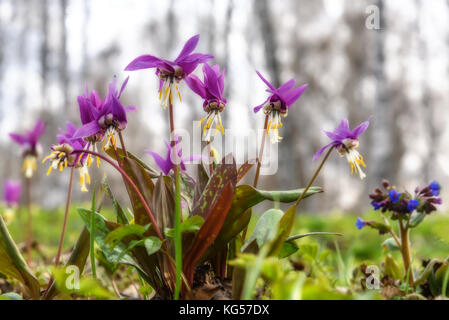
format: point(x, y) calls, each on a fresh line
point(29, 141)
point(278, 103)
point(394, 195)
point(211, 90)
point(170, 71)
point(412, 204)
point(346, 142)
point(359, 224)
point(103, 119)
point(166, 164)
point(435, 188)
point(12, 190)
point(62, 155)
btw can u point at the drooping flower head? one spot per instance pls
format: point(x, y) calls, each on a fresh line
point(170, 72)
point(103, 119)
point(346, 142)
point(62, 155)
point(166, 164)
point(211, 90)
point(278, 103)
point(29, 141)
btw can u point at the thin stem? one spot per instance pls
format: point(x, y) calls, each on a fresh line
point(259, 165)
point(177, 218)
point(131, 183)
point(92, 234)
point(66, 215)
point(393, 234)
point(122, 143)
point(29, 242)
point(259, 158)
point(314, 177)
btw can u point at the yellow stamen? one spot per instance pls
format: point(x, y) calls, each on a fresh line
point(179, 93)
point(49, 170)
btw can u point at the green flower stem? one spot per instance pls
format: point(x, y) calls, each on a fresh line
point(177, 218)
point(29, 241)
point(92, 234)
point(405, 251)
point(314, 176)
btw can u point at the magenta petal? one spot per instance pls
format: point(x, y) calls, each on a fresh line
point(18, 138)
point(118, 111)
point(320, 152)
point(143, 62)
point(12, 192)
point(266, 81)
point(38, 130)
point(164, 165)
point(360, 129)
point(123, 87)
point(188, 47)
point(260, 106)
point(131, 109)
point(294, 95)
point(195, 84)
point(211, 81)
point(86, 110)
point(286, 86)
point(87, 130)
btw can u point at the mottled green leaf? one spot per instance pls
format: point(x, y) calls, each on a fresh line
point(115, 236)
point(192, 224)
point(12, 263)
point(266, 227)
point(121, 216)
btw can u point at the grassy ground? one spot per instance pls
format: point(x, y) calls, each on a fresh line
point(342, 254)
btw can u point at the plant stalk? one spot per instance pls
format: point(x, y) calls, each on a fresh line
point(66, 215)
point(29, 241)
point(405, 251)
point(314, 176)
point(177, 218)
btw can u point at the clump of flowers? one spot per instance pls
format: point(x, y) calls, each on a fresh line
point(408, 210)
point(31, 148)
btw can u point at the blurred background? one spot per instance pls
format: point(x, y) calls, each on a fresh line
point(398, 73)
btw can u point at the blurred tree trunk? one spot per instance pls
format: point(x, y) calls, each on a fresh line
point(44, 51)
point(382, 144)
point(63, 60)
point(227, 54)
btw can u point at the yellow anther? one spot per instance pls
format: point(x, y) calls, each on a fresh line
point(179, 93)
point(49, 170)
point(98, 162)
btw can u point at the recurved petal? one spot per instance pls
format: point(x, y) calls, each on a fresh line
point(188, 47)
point(164, 165)
point(360, 129)
point(143, 62)
point(195, 84)
point(320, 152)
point(87, 130)
point(293, 95)
point(18, 138)
point(266, 81)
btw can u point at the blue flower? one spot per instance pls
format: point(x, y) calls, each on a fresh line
point(359, 224)
point(376, 205)
point(394, 195)
point(412, 205)
point(435, 188)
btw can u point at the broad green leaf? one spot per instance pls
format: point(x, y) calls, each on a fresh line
point(288, 248)
point(390, 244)
point(10, 296)
point(121, 216)
point(284, 230)
point(246, 197)
point(152, 244)
point(416, 218)
point(392, 269)
point(12, 263)
point(142, 179)
point(192, 224)
point(83, 287)
point(266, 227)
point(115, 236)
